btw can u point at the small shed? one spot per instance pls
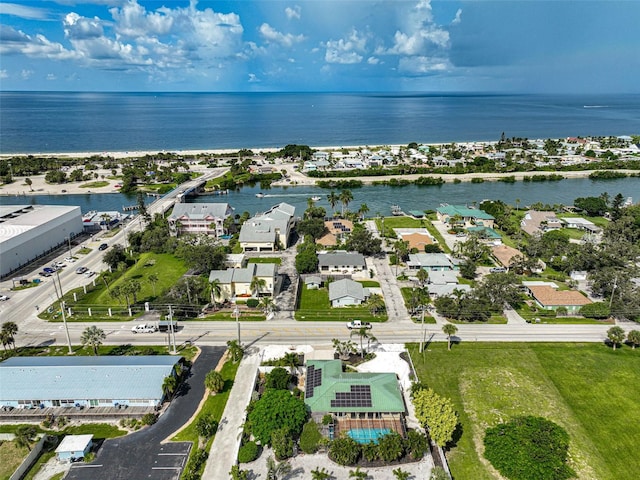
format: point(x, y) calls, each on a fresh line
point(313, 282)
point(74, 447)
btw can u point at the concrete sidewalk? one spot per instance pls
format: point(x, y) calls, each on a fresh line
point(224, 450)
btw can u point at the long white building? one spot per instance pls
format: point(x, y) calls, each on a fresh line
point(29, 231)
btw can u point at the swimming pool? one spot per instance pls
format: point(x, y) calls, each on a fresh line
point(366, 435)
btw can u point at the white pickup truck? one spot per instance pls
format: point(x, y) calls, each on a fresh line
point(144, 328)
point(357, 325)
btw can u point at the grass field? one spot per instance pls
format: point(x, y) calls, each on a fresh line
point(588, 389)
point(315, 307)
point(11, 457)
point(276, 260)
point(96, 184)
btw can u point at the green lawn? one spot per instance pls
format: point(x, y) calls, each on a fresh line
point(598, 221)
point(276, 260)
point(315, 307)
point(369, 283)
point(588, 389)
point(104, 350)
point(11, 456)
point(408, 222)
point(97, 184)
point(493, 320)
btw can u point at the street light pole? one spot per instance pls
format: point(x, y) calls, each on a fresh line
point(422, 330)
point(236, 312)
point(172, 331)
point(64, 316)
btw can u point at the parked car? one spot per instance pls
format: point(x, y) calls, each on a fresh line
point(69, 259)
point(103, 246)
point(45, 274)
point(3, 298)
point(89, 274)
point(144, 328)
point(497, 270)
point(357, 324)
point(81, 270)
point(49, 270)
point(58, 265)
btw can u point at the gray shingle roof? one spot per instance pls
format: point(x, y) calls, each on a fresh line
point(262, 228)
point(340, 259)
point(77, 378)
point(347, 288)
point(244, 275)
point(198, 211)
point(430, 259)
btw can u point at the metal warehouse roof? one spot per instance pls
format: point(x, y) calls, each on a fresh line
point(77, 378)
point(329, 389)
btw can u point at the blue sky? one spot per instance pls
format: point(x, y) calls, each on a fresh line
point(582, 46)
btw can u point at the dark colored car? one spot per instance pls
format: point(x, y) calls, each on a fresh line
point(104, 246)
point(81, 270)
point(48, 270)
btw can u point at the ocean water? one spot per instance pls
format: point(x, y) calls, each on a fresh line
point(33, 122)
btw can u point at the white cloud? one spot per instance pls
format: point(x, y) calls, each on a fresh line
point(22, 11)
point(458, 17)
point(419, 65)
point(294, 12)
point(26, 74)
point(38, 46)
point(253, 78)
point(51, 77)
point(271, 35)
point(3, 73)
point(373, 61)
point(346, 50)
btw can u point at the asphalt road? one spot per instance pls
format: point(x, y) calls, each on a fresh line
point(142, 454)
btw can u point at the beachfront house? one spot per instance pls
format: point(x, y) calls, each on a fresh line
point(463, 216)
point(346, 292)
point(269, 231)
point(337, 231)
point(199, 218)
point(237, 282)
point(363, 406)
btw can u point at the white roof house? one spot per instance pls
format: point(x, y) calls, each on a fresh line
point(74, 446)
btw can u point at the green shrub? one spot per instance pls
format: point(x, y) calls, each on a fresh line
point(278, 378)
point(310, 437)
point(253, 302)
point(214, 381)
point(370, 451)
point(282, 444)
point(344, 451)
point(597, 310)
point(528, 447)
point(149, 418)
point(327, 419)
point(390, 447)
point(416, 444)
point(248, 452)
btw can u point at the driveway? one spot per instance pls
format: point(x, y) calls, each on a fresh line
point(142, 454)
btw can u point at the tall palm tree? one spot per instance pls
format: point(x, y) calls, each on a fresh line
point(267, 305)
point(169, 385)
point(375, 303)
point(153, 279)
point(401, 248)
point(345, 198)
point(363, 333)
point(11, 329)
point(422, 276)
point(257, 285)
point(363, 210)
point(6, 339)
point(449, 329)
point(25, 435)
point(291, 360)
point(333, 199)
point(93, 336)
point(216, 290)
point(275, 469)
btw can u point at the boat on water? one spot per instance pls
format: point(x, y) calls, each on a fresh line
point(396, 210)
point(316, 198)
point(260, 195)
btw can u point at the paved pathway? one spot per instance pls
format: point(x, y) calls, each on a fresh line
point(224, 450)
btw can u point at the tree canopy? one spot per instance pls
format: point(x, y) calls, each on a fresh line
point(435, 413)
point(276, 409)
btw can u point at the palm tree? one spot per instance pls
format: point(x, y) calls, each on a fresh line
point(291, 360)
point(401, 248)
point(267, 305)
point(422, 276)
point(375, 303)
point(29, 183)
point(11, 329)
point(106, 218)
point(363, 210)
point(333, 199)
point(6, 339)
point(449, 329)
point(235, 350)
point(320, 474)
point(345, 197)
point(517, 204)
point(25, 435)
point(153, 279)
point(257, 285)
point(92, 336)
point(358, 474)
point(275, 469)
point(169, 385)
point(215, 289)
point(363, 333)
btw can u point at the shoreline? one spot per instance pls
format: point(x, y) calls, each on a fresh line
point(296, 179)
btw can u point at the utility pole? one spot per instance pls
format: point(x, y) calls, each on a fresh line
point(615, 284)
point(64, 316)
point(422, 307)
point(236, 312)
point(172, 331)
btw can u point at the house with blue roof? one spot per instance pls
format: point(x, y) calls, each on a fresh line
point(85, 382)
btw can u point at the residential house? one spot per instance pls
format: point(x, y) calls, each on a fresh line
point(195, 218)
point(486, 235)
point(346, 292)
point(538, 222)
point(437, 290)
point(505, 255)
point(338, 230)
point(443, 277)
point(236, 282)
point(235, 260)
point(268, 231)
point(580, 224)
point(340, 261)
point(358, 402)
point(549, 298)
point(415, 237)
point(432, 261)
point(464, 216)
point(313, 282)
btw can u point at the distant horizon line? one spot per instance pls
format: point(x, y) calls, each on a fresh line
point(394, 93)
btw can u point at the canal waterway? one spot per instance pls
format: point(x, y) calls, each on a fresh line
point(379, 198)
